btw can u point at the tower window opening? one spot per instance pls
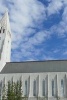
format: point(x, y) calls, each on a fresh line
point(0, 30)
point(3, 30)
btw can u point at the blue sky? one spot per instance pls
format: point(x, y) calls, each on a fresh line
point(39, 29)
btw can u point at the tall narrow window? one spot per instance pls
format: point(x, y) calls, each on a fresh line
point(43, 87)
point(3, 30)
point(52, 87)
point(0, 30)
point(62, 87)
point(26, 88)
point(34, 88)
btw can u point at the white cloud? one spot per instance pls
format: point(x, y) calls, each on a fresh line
point(24, 14)
point(65, 53)
point(39, 37)
point(54, 6)
point(61, 28)
point(49, 58)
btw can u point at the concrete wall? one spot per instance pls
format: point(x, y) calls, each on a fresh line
point(48, 77)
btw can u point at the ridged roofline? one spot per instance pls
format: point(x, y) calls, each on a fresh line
point(38, 61)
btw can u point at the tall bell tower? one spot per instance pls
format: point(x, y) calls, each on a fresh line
point(5, 40)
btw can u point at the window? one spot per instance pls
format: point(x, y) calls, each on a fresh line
point(0, 30)
point(52, 87)
point(26, 88)
point(43, 87)
point(62, 87)
point(3, 30)
point(34, 88)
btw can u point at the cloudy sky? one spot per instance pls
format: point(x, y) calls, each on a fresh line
point(39, 29)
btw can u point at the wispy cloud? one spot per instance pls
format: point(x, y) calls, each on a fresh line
point(65, 53)
point(54, 7)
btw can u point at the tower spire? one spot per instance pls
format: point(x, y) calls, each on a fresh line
point(5, 21)
point(5, 40)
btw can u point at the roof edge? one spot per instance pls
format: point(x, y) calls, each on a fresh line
point(37, 61)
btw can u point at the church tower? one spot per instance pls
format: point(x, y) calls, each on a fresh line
point(5, 40)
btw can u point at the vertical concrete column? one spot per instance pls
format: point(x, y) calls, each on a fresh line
point(58, 93)
point(4, 82)
point(39, 93)
point(29, 86)
point(65, 86)
point(55, 86)
point(23, 85)
point(1, 89)
point(47, 85)
point(38, 85)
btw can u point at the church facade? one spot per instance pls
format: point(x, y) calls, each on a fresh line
point(41, 80)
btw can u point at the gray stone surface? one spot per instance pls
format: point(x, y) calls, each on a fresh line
point(35, 66)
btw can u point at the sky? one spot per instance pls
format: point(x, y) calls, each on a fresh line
point(39, 29)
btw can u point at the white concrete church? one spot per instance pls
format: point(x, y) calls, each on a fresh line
point(44, 79)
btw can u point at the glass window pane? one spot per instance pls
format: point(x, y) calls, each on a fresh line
point(62, 87)
point(34, 88)
point(3, 30)
point(52, 87)
point(43, 87)
point(0, 30)
point(25, 88)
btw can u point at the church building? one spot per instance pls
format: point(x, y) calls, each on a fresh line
point(41, 80)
